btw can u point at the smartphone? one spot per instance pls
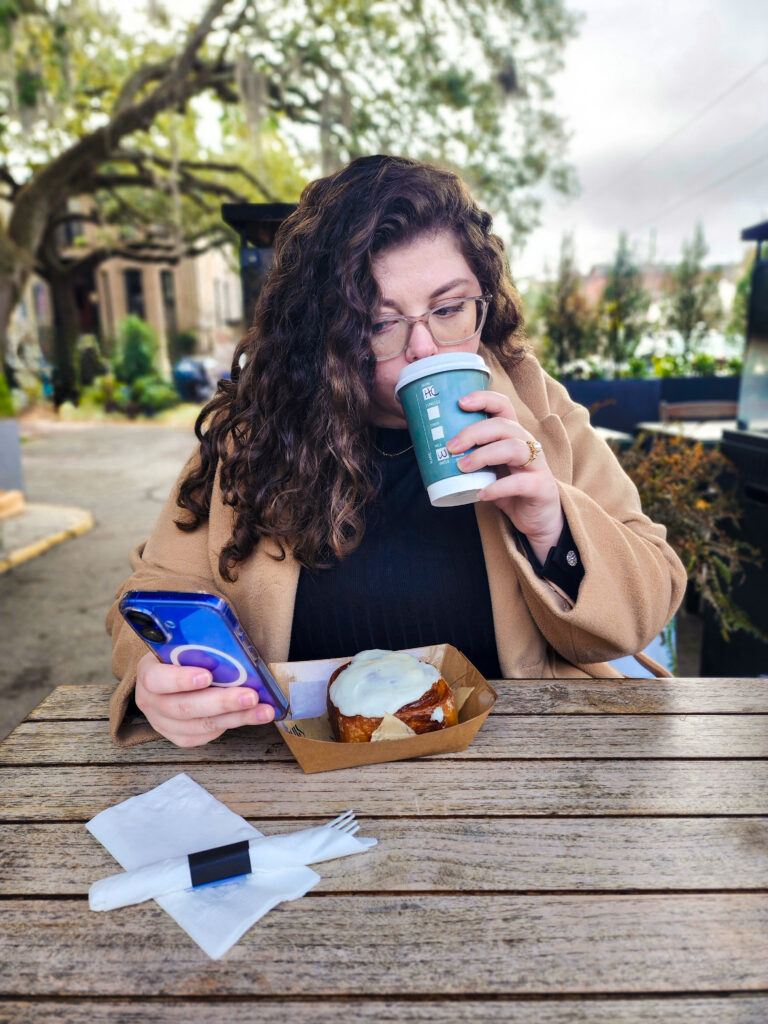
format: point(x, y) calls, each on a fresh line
point(201, 629)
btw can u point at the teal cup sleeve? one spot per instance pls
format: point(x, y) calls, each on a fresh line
point(429, 391)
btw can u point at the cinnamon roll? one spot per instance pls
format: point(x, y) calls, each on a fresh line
point(378, 683)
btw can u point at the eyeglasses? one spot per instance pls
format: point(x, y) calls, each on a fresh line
point(450, 323)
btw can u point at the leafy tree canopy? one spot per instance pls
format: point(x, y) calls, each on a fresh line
point(623, 306)
point(736, 328)
point(692, 305)
point(115, 117)
point(565, 318)
point(465, 82)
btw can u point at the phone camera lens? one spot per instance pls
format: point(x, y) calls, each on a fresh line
point(146, 625)
point(154, 634)
point(140, 619)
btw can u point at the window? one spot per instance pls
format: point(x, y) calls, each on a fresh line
point(134, 293)
point(69, 231)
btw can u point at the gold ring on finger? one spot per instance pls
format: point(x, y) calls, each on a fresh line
point(535, 448)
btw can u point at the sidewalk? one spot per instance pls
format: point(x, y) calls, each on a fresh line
point(93, 491)
point(36, 529)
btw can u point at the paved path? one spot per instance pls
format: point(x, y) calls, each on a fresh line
point(52, 607)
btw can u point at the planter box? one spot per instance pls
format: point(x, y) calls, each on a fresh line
point(624, 403)
point(11, 478)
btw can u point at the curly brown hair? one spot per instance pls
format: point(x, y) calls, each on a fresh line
point(289, 433)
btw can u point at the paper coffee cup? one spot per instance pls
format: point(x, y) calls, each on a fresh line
point(429, 391)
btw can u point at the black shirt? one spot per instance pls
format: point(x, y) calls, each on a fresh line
point(418, 577)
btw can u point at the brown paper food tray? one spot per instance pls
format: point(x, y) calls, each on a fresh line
point(326, 755)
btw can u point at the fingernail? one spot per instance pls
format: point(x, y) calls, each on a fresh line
point(482, 495)
point(463, 463)
point(248, 700)
point(201, 679)
point(263, 715)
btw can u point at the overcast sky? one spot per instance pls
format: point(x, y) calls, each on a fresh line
point(639, 71)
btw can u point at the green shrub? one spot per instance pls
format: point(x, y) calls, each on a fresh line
point(89, 360)
point(137, 345)
point(670, 366)
point(637, 368)
point(704, 364)
point(146, 395)
point(6, 402)
point(691, 490)
point(181, 345)
point(152, 394)
point(106, 393)
point(595, 371)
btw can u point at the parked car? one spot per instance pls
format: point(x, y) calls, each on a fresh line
point(196, 377)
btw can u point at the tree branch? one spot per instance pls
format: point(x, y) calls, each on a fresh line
point(141, 77)
point(146, 252)
point(197, 37)
point(234, 28)
point(187, 183)
point(113, 181)
point(129, 212)
point(186, 77)
point(173, 71)
point(7, 177)
point(139, 157)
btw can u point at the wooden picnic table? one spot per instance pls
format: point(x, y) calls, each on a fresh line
point(599, 854)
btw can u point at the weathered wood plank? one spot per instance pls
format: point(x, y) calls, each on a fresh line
point(698, 1010)
point(87, 700)
point(631, 696)
point(502, 737)
point(425, 788)
point(395, 946)
point(523, 696)
point(541, 854)
point(89, 742)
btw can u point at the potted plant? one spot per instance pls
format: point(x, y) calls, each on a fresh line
point(689, 488)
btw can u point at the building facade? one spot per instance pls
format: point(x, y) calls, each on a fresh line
point(199, 296)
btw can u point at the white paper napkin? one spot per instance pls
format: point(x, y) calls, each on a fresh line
point(263, 854)
point(180, 817)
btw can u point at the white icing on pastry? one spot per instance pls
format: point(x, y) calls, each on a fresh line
point(378, 683)
point(437, 715)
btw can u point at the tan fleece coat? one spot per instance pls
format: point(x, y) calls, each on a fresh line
point(633, 581)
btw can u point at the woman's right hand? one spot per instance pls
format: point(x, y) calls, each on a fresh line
point(180, 703)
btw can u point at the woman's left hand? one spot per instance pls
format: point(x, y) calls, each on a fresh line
point(526, 494)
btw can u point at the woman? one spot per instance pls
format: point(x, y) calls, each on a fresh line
point(303, 506)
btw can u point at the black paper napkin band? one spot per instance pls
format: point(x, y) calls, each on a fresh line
point(219, 863)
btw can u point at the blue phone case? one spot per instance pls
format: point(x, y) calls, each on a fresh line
point(200, 629)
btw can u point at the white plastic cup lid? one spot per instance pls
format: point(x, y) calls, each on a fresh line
point(459, 490)
point(438, 364)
